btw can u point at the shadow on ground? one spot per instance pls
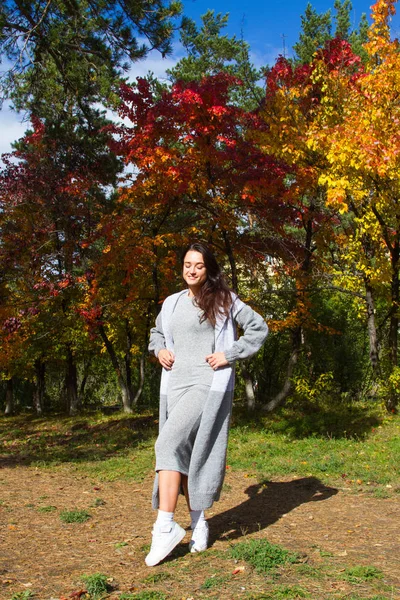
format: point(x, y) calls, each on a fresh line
point(352, 420)
point(55, 440)
point(267, 502)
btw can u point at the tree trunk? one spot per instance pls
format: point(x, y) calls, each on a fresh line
point(141, 379)
point(394, 319)
point(9, 397)
point(297, 340)
point(126, 393)
point(39, 394)
point(85, 376)
point(392, 400)
point(372, 334)
point(232, 262)
point(248, 388)
point(71, 384)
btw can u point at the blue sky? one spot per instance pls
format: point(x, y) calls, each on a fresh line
point(262, 24)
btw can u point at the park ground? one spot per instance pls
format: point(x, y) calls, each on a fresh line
point(75, 502)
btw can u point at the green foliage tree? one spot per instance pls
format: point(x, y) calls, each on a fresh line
point(316, 30)
point(77, 47)
point(209, 52)
point(342, 18)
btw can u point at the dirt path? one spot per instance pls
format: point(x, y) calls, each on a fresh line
point(40, 552)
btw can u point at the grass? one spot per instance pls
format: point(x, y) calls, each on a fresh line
point(214, 581)
point(362, 573)
point(46, 509)
point(156, 577)
point(362, 456)
point(262, 555)
point(106, 447)
point(96, 585)
point(352, 447)
point(74, 516)
point(283, 592)
point(355, 449)
point(25, 595)
point(146, 595)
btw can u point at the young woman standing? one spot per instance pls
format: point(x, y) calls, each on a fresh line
point(195, 342)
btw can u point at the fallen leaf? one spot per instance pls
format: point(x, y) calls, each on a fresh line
point(77, 594)
point(238, 570)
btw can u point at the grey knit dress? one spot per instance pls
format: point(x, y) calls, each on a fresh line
point(188, 387)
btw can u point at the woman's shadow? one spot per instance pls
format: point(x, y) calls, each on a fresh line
point(266, 503)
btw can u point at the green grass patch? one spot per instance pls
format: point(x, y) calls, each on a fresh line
point(46, 509)
point(25, 595)
point(156, 577)
point(357, 597)
point(146, 595)
point(362, 573)
point(134, 465)
point(96, 585)
point(307, 570)
point(106, 446)
point(272, 446)
point(380, 492)
point(74, 516)
point(347, 446)
point(214, 581)
point(283, 592)
point(99, 502)
point(262, 555)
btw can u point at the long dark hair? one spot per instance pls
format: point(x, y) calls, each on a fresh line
point(214, 297)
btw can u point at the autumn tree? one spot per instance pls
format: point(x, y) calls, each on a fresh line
point(53, 192)
point(362, 175)
point(295, 97)
point(195, 175)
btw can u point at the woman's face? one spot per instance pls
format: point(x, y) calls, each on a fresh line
point(194, 269)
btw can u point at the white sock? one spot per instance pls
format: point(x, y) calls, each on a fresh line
point(197, 517)
point(164, 518)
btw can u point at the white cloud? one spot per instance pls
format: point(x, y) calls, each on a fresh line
point(156, 64)
point(12, 128)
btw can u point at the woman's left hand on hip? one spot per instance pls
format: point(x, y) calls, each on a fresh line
point(217, 360)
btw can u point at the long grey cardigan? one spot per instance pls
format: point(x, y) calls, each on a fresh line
point(207, 464)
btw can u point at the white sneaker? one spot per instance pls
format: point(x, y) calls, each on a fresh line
point(164, 541)
point(199, 541)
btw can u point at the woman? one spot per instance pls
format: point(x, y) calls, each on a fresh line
point(195, 342)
